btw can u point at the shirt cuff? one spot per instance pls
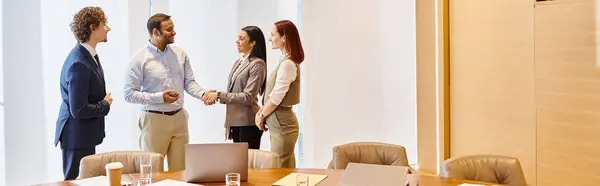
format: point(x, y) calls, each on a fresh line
point(220, 94)
point(157, 97)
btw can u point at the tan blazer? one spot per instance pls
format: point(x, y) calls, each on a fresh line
point(242, 93)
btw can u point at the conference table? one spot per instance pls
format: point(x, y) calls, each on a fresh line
point(266, 177)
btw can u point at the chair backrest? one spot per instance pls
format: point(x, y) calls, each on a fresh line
point(370, 153)
point(487, 168)
point(262, 159)
point(93, 165)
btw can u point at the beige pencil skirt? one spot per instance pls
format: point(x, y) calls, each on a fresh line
point(283, 129)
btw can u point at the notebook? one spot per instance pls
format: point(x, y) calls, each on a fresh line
point(291, 179)
point(95, 181)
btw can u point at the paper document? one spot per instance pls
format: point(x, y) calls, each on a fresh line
point(470, 184)
point(171, 182)
point(95, 181)
point(291, 179)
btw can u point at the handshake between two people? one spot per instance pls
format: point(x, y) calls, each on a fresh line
point(209, 97)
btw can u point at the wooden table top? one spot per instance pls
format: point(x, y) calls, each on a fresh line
point(266, 177)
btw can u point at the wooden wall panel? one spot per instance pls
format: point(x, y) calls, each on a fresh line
point(567, 82)
point(426, 85)
point(525, 82)
point(492, 109)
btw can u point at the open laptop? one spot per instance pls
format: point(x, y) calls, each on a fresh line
point(358, 174)
point(211, 162)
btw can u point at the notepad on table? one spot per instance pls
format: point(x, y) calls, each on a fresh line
point(291, 179)
point(470, 184)
point(94, 181)
point(98, 180)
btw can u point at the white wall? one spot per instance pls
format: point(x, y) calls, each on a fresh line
point(2, 155)
point(359, 70)
point(208, 30)
point(358, 77)
point(32, 80)
point(23, 79)
point(58, 40)
point(127, 25)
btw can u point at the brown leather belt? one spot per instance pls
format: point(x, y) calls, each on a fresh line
point(165, 113)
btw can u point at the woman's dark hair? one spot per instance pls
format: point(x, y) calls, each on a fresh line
point(260, 48)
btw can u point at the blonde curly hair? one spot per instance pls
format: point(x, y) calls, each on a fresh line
point(82, 21)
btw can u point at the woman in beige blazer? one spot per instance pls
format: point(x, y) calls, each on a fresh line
point(282, 92)
point(246, 80)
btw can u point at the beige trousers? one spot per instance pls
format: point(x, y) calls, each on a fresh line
point(166, 135)
point(283, 128)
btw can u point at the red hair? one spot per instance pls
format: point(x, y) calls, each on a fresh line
point(293, 45)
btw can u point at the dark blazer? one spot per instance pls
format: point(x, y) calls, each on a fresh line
point(80, 122)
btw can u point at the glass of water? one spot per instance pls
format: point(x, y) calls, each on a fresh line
point(145, 169)
point(232, 179)
point(302, 180)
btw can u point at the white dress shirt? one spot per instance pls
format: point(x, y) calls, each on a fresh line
point(152, 71)
point(91, 50)
point(286, 74)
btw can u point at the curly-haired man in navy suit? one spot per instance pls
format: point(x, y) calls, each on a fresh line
point(85, 103)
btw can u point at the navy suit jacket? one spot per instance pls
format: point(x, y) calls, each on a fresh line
point(80, 123)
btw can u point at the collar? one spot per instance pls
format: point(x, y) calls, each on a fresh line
point(156, 49)
point(89, 49)
point(243, 58)
point(284, 56)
